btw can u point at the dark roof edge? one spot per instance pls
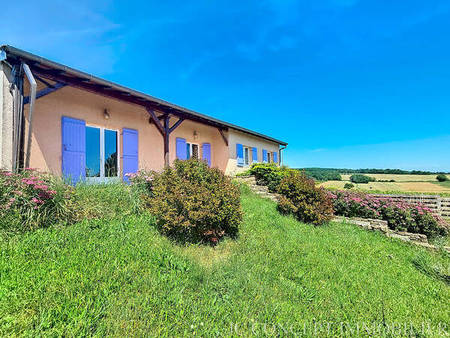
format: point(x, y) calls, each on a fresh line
point(72, 71)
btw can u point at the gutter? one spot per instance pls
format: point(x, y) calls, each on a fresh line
point(33, 86)
point(281, 155)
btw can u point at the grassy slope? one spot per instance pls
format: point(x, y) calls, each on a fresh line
point(121, 277)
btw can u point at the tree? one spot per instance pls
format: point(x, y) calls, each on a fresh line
point(441, 178)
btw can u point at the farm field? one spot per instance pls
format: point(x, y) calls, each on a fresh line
point(397, 177)
point(443, 184)
point(120, 277)
point(419, 187)
point(403, 183)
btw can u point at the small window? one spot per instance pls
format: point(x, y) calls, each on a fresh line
point(192, 150)
point(269, 157)
point(246, 156)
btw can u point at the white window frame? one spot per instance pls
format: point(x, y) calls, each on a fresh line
point(102, 178)
point(249, 154)
point(190, 150)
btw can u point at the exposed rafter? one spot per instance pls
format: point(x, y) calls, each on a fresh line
point(180, 120)
point(225, 139)
point(155, 120)
point(75, 78)
point(165, 130)
point(45, 91)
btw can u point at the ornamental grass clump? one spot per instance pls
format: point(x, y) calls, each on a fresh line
point(192, 202)
point(302, 198)
point(400, 216)
point(30, 200)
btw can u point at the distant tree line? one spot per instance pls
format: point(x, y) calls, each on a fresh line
point(389, 171)
point(322, 173)
point(334, 174)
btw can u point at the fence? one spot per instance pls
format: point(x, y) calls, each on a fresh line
point(439, 205)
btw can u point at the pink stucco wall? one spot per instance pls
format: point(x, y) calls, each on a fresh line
point(72, 102)
point(204, 133)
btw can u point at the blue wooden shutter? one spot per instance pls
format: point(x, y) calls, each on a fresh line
point(130, 152)
point(240, 154)
point(275, 157)
point(73, 149)
point(206, 152)
point(181, 148)
point(264, 152)
point(255, 154)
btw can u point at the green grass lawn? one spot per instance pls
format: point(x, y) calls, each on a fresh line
point(121, 277)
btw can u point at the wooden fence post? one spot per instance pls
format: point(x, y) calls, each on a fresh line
point(439, 205)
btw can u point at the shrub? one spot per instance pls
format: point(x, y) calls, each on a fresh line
point(285, 206)
point(243, 173)
point(348, 186)
point(143, 181)
point(193, 203)
point(359, 178)
point(31, 200)
point(269, 174)
point(441, 178)
point(399, 215)
point(301, 197)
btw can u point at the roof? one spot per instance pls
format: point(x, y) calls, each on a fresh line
point(58, 72)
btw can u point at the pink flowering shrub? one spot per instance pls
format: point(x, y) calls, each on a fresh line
point(31, 200)
point(143, 181)
point(400, 215)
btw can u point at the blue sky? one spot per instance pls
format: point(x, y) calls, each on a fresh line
point(346, 83)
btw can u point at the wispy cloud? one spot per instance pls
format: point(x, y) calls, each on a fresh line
point(318, 150)
point(66, 31)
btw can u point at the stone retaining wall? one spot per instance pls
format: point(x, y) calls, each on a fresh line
point(382, 226)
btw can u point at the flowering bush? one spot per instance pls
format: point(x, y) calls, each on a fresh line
point(301, 197)
point(143, 181)
point(191, 201)
point(31, 199)
point(400, 215)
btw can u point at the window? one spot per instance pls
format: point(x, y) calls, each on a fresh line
point(101, 153)
point(246, 156)
point(192, 150)
point(110, 145)
point(92, 152)
point(269, 157)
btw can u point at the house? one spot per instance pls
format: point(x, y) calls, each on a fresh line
point(61, 120)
